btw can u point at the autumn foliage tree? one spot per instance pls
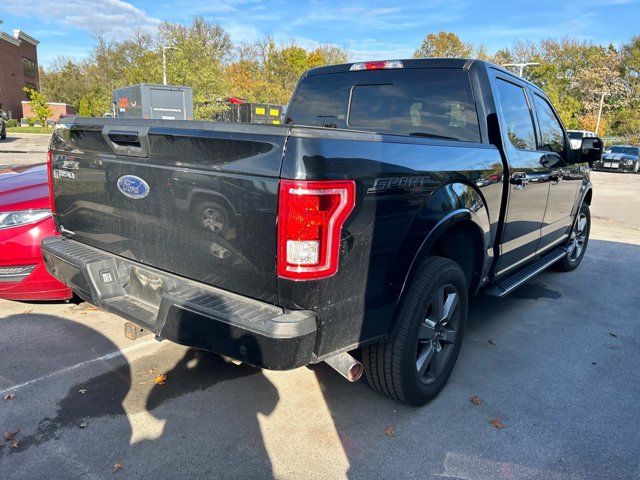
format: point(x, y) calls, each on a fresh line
point(38, 104)
point(574, 73)
point(444, 45)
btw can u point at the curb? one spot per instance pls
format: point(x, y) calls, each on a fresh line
point(23, 151)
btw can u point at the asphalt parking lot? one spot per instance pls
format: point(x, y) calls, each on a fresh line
point(557, 363)
point(23, 149)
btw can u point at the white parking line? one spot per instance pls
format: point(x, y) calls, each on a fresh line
point(108, 356)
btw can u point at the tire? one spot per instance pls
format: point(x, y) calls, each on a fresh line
point(637, 167)
point(3, 135)
point(426, 336)
point(213, 217)
point(578, 241)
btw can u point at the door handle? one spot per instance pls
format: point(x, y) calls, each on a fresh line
point(519, 179)
point(127, 141)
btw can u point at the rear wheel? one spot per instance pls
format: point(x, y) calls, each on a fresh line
point(3, 135)
point(414, 366)
point(578, 240)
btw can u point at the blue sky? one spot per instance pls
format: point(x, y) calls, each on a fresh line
point(367, 29)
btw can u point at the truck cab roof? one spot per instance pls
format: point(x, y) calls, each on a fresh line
point(461, 63)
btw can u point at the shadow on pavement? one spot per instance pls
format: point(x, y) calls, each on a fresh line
point(561, 376)
point(96, 417)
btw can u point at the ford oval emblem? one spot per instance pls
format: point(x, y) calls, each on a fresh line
point(133, 187)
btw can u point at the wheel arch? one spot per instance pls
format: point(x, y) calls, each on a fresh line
point(464, 227)
point(451, 211)
point(448, 239)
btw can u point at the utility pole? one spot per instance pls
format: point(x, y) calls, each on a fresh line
point(520, 66)
point(164, 62)
point(599, 113)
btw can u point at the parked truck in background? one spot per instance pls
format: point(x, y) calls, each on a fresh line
point(147, 101)
point(394, 191)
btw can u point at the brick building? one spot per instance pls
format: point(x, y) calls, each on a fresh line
point(57, 109)
point(18, 69)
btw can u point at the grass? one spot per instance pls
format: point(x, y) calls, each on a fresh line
point(29, 130)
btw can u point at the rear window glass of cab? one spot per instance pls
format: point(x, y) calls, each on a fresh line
point(431, 103)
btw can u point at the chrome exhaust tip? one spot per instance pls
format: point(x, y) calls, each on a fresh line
point(346, 365)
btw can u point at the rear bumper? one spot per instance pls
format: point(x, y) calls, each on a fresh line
point(184, 311)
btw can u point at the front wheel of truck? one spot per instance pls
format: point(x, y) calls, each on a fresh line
point(414, 366)
point(578, 240)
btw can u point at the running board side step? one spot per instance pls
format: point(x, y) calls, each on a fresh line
point(509, 284)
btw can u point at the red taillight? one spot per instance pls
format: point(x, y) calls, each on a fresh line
point(310, 219)
point(52, 204)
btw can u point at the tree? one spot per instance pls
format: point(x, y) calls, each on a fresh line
point(501, 57)
point(444, 45)
point(197, 60)
point(38, 103)
point(330, 55)
point(266, 72)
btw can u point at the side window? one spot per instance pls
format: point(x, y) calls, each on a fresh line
point(550, 129)
point(516, 115)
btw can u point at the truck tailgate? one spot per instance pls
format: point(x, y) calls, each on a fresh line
point(195, 199)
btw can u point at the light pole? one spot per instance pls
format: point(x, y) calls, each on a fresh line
point(600, 113)
point(520, 66)
point(164, 62)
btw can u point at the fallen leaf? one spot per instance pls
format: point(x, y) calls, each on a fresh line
point(160, 379)
point(151, 371)
point(389, 431)
point(613, 334)
point(491, 341)
point(497, 423)
point(83, 424)
point(9, 396)
point(476, 400)
point(9, 436)
point(92, 308)
point(117, 466)
point(15, 444)
point(82, 391)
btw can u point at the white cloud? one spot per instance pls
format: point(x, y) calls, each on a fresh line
point(112, 17)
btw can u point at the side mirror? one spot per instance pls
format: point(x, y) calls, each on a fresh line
point(591, 150)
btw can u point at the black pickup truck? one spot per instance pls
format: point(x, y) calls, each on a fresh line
point(393, 191)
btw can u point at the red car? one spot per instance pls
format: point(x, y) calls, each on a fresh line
point(25, 219)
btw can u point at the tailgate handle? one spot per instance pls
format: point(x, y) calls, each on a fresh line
point(127, 141)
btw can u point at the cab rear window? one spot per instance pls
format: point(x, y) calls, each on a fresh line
point(436, 103)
